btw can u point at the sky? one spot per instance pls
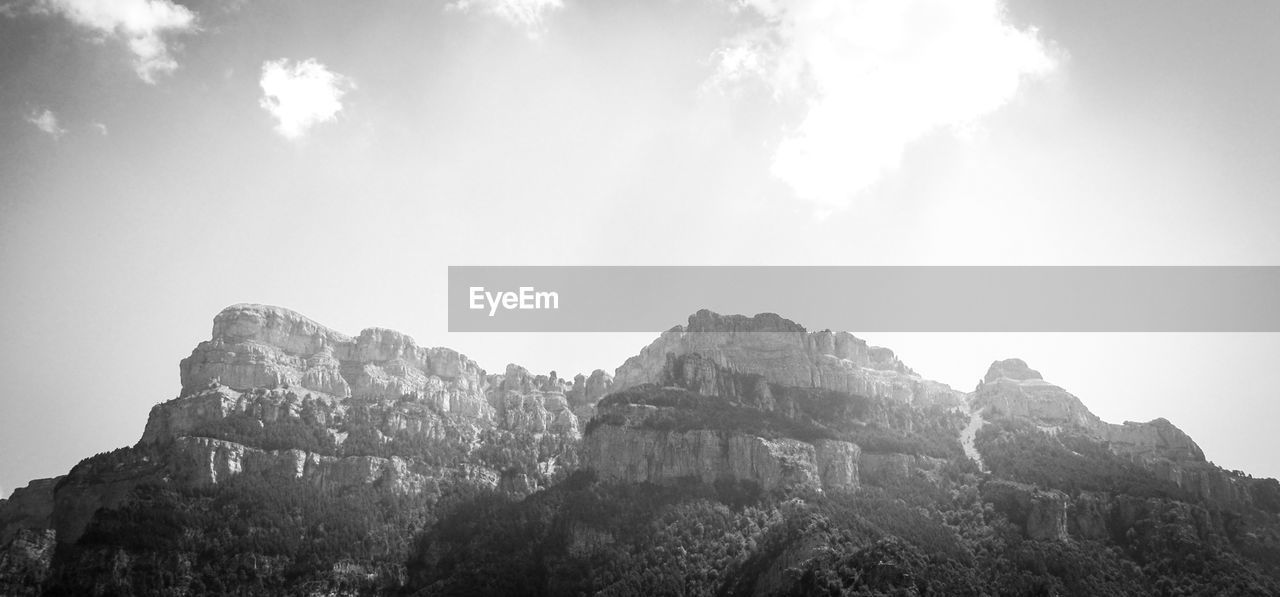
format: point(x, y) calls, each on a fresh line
point(160, 161)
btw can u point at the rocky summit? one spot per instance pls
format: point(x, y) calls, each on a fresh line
point(732, 455)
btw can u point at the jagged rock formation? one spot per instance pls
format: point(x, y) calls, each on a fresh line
point(587, 391)
point(784, 353)
point(257, 346)
point(272, 365)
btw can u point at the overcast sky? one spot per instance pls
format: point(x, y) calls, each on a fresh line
point(160, 161)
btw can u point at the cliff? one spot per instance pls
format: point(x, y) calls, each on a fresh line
point(629, 449)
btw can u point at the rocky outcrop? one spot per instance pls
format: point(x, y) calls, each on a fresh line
point(532, 404)
point(1010, 389)
point(784, 353)
point(1014, 369)
point(1154, 439)
point(258, 346)
point(587, 391)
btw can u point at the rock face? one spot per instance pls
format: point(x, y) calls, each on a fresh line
point(1042, 514)
point(630, 452)
point(784, 353)
point(205, 461)
point(838, 464)
point(29, 507)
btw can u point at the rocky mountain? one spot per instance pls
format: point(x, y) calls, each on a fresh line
point(784, 353)
point(733, 455)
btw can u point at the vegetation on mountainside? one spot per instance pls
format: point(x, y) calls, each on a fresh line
point(913, 537)
point(903, 533)
point(1018, 450)
point(925, 534)
point(280, 434)
point(247, 536)
point(682, 410)
point(921, 534)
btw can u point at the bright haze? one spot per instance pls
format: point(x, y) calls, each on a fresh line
point(160, 161)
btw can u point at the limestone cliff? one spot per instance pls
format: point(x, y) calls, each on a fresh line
point(269, 376)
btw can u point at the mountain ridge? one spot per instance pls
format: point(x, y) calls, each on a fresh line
point(757, 403)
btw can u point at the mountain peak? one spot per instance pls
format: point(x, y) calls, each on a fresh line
point(706, 320)
point(1015, 369)
point(782, 352)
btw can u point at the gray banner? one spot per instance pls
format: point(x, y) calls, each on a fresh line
point(869, 299)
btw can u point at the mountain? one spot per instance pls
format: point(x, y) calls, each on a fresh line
point(733, 455)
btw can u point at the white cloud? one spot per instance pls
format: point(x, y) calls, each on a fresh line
point(142, 24)
point(874, 76)
point(528, 15)
point(301, 95)
point(47, 121)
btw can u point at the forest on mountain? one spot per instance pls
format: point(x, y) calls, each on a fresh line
point(937, 532)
